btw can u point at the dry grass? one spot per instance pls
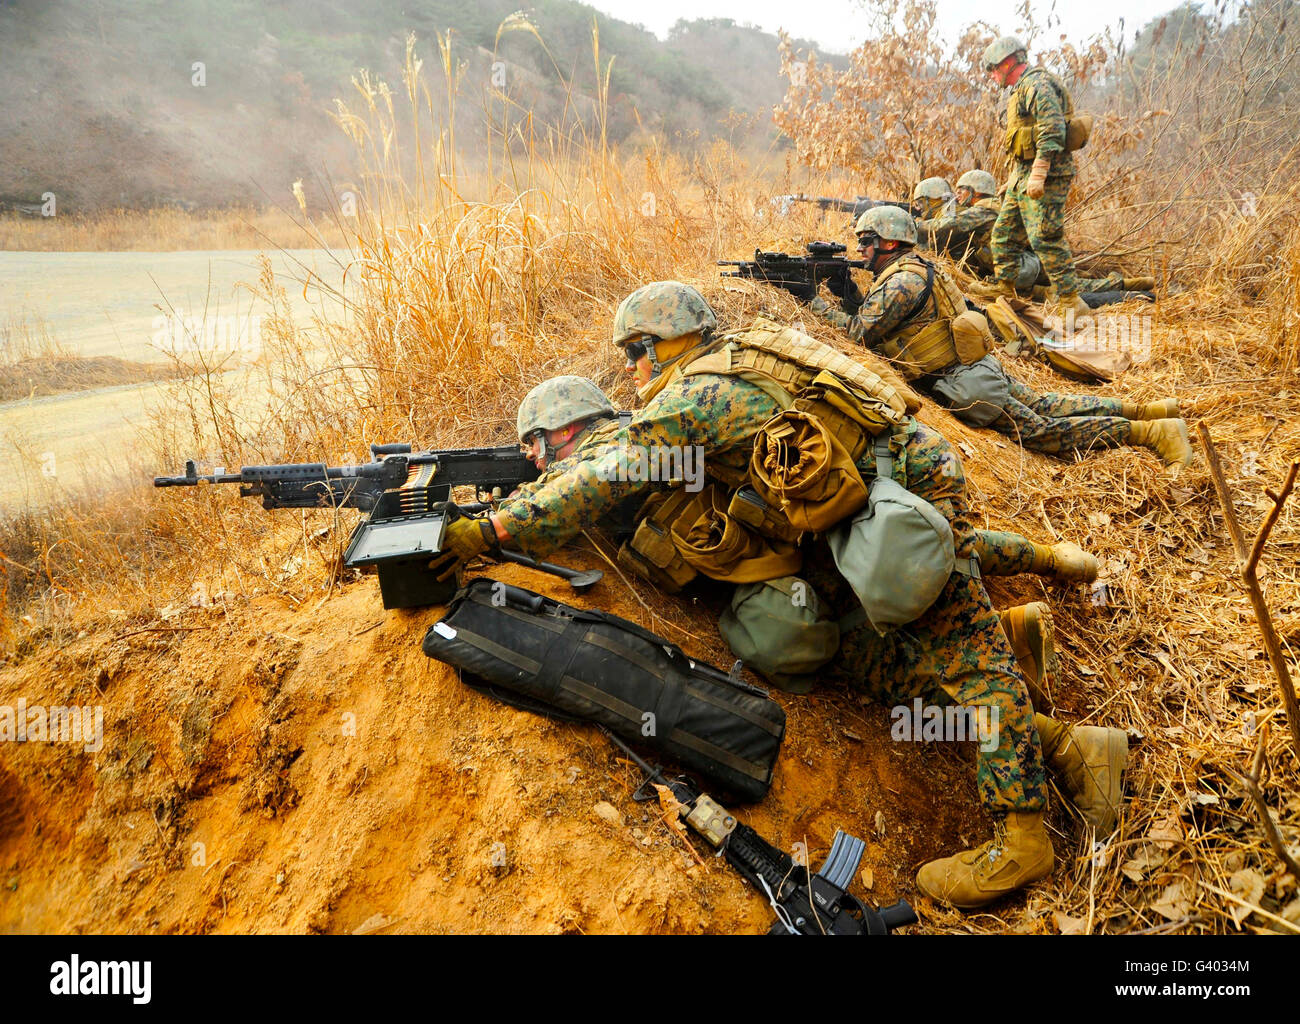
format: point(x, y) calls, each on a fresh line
point(472, 291)
point(163, 230)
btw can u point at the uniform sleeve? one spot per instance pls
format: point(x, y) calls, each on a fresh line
point(942, 232)
point(1049, 119)
point(690, 417)
point(886, 307)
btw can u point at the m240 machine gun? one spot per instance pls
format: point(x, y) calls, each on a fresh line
point(407, 500)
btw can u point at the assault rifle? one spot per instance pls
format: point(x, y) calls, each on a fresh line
point(800, 275)
point(856, 206)
point(805, 904)
point(407, 498)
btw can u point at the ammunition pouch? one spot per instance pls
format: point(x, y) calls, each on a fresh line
point(747, 507)
point(928, 350)
point(651, 553)
point(801, 468)
point(531, 652)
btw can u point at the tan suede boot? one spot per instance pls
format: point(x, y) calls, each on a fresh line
point(1029, 629)
point(1139, 284)
point(1065, 560)
point(1070, 301)
point(1166, 408)
point(1089, 760)
point(1167, 438)
point(992, 289)
point(1019, 853)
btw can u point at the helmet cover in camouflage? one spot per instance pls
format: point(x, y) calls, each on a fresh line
point(666, 309)
point(932, 188)
point(980, 182)
point(1000, 49)
point(890, 223)
point(557, 402)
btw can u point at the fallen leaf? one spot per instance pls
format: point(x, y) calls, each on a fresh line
point(851, 735)
point(1175, 901)
point(1249, 885)
point(880, 823)
point(868, 878)
point(1068, 925)
point(1168, 832)
point(608, 812)
point(1204, 799)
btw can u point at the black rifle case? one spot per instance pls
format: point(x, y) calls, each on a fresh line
point(544, 656)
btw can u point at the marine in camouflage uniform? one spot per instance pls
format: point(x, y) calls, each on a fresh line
point(965, 235)
point(1055, 424)
point(1038, 104)
point(956, 652)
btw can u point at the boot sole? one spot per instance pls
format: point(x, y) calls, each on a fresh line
point(1040, 631)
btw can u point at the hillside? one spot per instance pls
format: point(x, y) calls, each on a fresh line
point(107, 108)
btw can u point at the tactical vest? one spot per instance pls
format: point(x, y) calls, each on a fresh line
point(950, 336)
point(1021, 138)
point(681, 535)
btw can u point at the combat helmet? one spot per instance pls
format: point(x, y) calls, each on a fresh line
point(1000, 49)
point(982, 183)
point(557, 402)
point(890, 223)
point(932, 188)
point(666, 309)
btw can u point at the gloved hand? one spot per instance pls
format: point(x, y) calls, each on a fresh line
point(462, 539)
point(1037, 178)
point(844, 288)
point(801, 290)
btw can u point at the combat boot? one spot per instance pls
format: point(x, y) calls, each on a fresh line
point(1019, 853)
point(1138, 284)
point(1029, 629)
point(992, 289)
point(1072, 302)
point(1066, 561)
point(1165, 409)
point(1167, 438)
point(1089, 760)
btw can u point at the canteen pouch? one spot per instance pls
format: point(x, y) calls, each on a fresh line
point(1077, 130)
point(971, 336)
point(800, 468)
point(897, 553)
point(975, 394)
point(532, 652)
point(781, 629)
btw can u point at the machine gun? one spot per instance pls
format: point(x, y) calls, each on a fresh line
point(804, 903)
point(856, 206)
point(800, 275)
point(407, 498)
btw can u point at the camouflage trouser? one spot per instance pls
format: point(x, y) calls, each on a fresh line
point(1053, 423)
point(1004, 554)
point(956, 653)
point(1037, 224)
